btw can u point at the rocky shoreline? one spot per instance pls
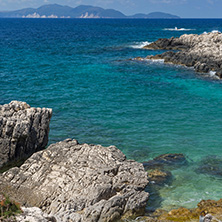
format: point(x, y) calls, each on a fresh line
point(203, 52)
point(76, 182)
point(68, 180)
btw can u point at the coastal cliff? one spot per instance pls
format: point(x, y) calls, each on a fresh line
point(203, 52)
point(23, 131)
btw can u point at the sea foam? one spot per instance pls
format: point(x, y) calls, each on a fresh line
point(214, 31)
point(140, 45)
point(155, 60)
point(177, 29)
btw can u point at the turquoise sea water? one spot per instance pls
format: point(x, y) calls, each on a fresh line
point(81, 69)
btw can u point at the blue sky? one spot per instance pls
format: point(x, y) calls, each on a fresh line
point(183, 8)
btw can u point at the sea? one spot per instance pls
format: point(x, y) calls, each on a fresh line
point(84, 70)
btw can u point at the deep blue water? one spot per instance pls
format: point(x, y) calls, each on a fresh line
point(81, 69)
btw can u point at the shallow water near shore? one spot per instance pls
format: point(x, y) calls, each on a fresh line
point(81, 69)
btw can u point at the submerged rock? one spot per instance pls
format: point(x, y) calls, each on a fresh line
point(165, 160)
point(159, 177)
point(211, 165)
point(79, 182)
point(23, 130)
point(203, 52)
point(171, 158)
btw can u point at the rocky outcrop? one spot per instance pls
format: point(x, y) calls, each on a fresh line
point(168, 44)
point(79, 182)
point(203, 52)
point(23, 130)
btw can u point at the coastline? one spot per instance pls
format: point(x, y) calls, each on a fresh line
point(69, 181)
point(94, 102)
point(201, 52)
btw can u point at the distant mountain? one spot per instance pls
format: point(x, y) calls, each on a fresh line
point(82, 11)
point(155, 15)
point(44, 11)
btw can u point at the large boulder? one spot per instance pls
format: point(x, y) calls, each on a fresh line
point(23, 130)
point(79, 182)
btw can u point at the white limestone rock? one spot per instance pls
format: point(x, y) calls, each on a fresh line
point(79, 182)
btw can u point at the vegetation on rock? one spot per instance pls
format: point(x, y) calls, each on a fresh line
point(8, 209)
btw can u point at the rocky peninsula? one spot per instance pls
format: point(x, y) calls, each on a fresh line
point(203, 52)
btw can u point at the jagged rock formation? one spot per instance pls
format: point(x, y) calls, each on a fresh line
point(79, 182)
point(23, 130)
point(203, 52)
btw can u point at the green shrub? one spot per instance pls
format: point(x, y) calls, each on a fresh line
point(8, 209)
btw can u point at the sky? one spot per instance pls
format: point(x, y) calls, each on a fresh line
point(182, 8)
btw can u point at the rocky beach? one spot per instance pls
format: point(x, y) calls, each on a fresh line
point(203, 52)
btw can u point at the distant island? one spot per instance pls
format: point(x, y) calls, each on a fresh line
point(82, 11)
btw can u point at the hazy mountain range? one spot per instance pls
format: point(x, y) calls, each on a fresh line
point(82, 11)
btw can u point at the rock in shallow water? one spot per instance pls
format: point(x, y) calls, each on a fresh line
point(163, 160)
point(171, 158)
point(79, 182)
point(211, 165)
point(159, 177)
point(23, 130)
